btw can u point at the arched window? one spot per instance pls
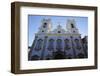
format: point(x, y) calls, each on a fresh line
point(77, 44)
point(39, 44)
point(67, 47)
point(51, 45)
point(35, 57)
point(72, 25)
point(59, 44)
point(44, 25)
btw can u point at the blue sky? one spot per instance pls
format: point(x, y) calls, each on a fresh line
point(34, 22)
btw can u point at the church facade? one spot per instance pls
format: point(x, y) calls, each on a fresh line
point(59, 43)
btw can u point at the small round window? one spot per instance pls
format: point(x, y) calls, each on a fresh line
point(59, 31)
point(42, 31)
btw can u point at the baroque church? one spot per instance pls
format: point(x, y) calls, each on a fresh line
point(59, 43)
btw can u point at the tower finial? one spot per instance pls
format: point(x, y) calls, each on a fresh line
point(58, 23)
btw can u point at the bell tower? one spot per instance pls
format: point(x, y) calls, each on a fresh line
point(45, 26)
point(71, 26)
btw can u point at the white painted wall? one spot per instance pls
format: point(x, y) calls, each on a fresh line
point(5, 33)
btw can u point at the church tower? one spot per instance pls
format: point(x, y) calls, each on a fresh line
point(45, 26)
point(71, 26)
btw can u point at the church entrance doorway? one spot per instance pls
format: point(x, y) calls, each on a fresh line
point(59, 55)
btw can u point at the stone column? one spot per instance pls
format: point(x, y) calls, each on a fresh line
point(73, 47)
point(63, 45)
point(32, 48)
point(54, 45)
point(44, 47)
